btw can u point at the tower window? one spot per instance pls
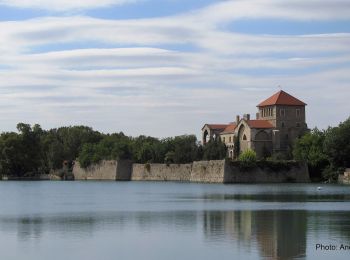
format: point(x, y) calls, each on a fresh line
point(244, 137)
point(282, 112)
point(297, 111)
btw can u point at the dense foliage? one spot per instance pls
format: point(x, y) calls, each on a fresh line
point(327, 152)
point(33, 150)
point(214, 150)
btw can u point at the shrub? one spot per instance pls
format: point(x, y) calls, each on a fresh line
point(247, 159)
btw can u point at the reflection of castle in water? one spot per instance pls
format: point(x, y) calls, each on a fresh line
point(278, 234)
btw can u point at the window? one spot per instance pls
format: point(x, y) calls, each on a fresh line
point(297, 111)
point(223, 139)
point(229, 139)
point(282, 112)
point(298, 124)
point(282, 124)
point(244, 137)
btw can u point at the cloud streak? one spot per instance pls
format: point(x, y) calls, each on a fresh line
point(63, 5)
point(182, 70)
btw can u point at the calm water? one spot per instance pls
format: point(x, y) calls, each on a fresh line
point(144, 220)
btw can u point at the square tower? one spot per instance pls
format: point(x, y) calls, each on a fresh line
point(287, 114)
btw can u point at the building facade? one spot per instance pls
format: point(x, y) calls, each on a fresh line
point(280, 120)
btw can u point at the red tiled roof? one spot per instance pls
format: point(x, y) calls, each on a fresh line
point(282, 98)
point(230, 128)
point(216, 126)
point(259, 124)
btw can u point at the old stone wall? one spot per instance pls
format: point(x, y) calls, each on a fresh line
point(161, 172)
point(208, 171)
point(123, 170)
point(295, 173)
point(105, 170)
point(219, 171)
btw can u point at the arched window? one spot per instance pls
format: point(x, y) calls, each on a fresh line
point(244, 137)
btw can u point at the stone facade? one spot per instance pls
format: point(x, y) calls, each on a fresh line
point(279, 122)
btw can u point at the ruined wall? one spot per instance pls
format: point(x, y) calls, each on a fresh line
point(208, 171)
point(161, 172)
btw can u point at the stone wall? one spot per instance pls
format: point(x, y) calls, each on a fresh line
point(123, 170)
point(219, 171)
point(161, 172)
point(295, 173)
point(105, 170)
point(208, 171)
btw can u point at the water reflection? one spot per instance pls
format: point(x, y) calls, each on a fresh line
point(195, 221)
point(274, 234)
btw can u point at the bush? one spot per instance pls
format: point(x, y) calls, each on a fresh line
point(247, 159)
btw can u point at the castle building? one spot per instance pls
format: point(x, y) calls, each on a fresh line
point(280, 120)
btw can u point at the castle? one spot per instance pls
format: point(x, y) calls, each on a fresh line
point(279, 122)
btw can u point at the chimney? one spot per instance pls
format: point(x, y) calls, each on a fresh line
point(246, 116)
point(237, 119)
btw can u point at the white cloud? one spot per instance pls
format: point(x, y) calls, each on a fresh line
point(227, 11)
point(63, 5)
point(134, 88)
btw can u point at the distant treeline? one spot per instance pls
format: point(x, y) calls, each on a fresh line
point(33, 150)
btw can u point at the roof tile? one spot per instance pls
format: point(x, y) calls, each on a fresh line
point(282, 98)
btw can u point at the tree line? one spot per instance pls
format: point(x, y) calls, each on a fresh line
point(32, 150)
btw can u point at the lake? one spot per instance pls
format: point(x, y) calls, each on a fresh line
point(164, 220)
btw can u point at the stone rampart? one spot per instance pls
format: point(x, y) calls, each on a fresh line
point(208, 171)
point(219, 171)
point(105, 170)
point(161, 172)
point(296, 172)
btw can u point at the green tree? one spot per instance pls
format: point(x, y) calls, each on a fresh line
point(22, 154)
point(214, 150)
point(337, 145)
point(309, 148)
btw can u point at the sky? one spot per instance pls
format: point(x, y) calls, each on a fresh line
point(166, 67)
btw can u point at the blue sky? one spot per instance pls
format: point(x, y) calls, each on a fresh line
point(166, 67)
